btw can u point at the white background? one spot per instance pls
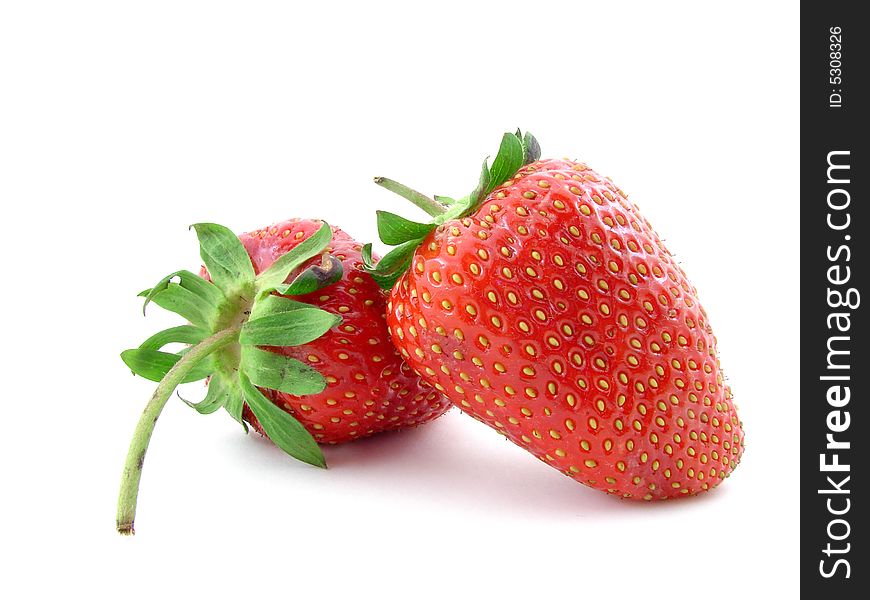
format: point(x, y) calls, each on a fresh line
point(122, 123)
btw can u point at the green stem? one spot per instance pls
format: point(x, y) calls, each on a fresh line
point(430, 206)
point(145, 427)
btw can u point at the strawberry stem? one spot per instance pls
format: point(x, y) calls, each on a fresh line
point(422, 201)
point(145, 427)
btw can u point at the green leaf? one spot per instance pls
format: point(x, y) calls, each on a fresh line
point(218, 390)
point(510, 158)
point(176, 298)
point(281, 427)
point(234, 403)
point(531, 148)
point(183, 334)
point(507, 162)
point(201, 291)
point(225, 257)
point(480, 191)
point(314, 278)
point(278, 372)
point(291, 328)
point(273, 305)
point(281, 269)
point(388, 270)
point(368, 258)
point(395, 230)
point(515, 151)
point(153, 364)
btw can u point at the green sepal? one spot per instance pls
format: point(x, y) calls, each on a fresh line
point(279, 372)
point(183, 334)
point(191, 296)
point(272, 305)
point(282, 428)
point(314, 278)
point(185, 303)
point(218, 390)
point(153, 364)
point(478, 193)
point(531, 148)
point(505, 165)
point(225, 258)
point(388, 270)
point(515, 151)
point(203, 289)
point(395, 230)
point(234, 402)
point(289, 328)
point(281, 269)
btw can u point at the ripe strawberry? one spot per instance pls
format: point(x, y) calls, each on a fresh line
point(368, 387)
point(546, 306)
point(315, 368)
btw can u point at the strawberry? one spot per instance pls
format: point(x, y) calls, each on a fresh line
point(289, 332)
point(369, 388)
point(546, 306)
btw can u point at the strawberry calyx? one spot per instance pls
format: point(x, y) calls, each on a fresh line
point(516, 151)
point(230, 317)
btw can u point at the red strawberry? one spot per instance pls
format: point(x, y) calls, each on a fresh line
point(368, 386)
point(546, 306)
point(290, 333)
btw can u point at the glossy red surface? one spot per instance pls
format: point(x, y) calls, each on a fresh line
point(557, 316)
